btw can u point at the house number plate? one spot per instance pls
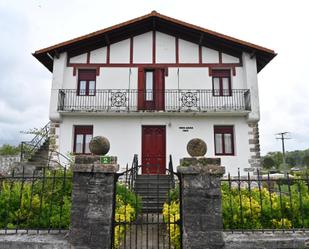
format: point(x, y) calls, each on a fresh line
point(105, 160)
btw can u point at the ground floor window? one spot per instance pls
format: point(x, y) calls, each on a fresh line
point(82, 136)
point(224, 140)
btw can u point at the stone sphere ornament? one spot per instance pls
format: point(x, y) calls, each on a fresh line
point(99, 145)
point(196, 147)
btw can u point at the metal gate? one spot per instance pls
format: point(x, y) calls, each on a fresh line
point(147, 209)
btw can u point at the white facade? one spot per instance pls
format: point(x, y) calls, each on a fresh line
point(124, 134)
point(123, 129)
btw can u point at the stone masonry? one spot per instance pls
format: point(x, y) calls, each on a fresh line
point(254, 144)
point(54, 143)
point(92, 203)
point(201, 203)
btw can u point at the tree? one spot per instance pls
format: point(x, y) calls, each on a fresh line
point(268, 162)
point(306, 160)
point(277, 157)
point(291, 161)
point(9, 150)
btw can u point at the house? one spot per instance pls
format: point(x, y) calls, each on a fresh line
point(153, 83)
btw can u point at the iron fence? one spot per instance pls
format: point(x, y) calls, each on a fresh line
point(41, 201)
point(261, 203)
point(170, 100)
point(147, 209)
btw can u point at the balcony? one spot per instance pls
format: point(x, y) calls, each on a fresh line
point(169, 100)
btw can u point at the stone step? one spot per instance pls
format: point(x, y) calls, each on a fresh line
point(154, 176)
point(152, 204)
point(152, 186)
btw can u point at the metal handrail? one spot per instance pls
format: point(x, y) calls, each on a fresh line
point(169, 100)
point(28, 148)
point(131, 174)
point(171, 170)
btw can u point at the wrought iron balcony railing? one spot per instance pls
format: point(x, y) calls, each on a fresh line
point(169, 100)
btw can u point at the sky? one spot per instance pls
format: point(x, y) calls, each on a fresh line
point(29, 25)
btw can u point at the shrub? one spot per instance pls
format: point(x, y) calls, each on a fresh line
point(171, 214)
point(34, 204)
point(265, 209)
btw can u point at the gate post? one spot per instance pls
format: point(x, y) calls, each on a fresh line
point(201, 202)
point(92, 211)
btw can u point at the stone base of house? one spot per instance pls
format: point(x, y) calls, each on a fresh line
point(254, 146)
point(54, 144)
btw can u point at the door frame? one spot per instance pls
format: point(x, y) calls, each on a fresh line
point(164, 146)
point(158, 88)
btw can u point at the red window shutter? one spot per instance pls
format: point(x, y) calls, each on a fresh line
point(221, 72)
point(87, 74)
point(159, 89)
point(141, 89)
point(83, 129)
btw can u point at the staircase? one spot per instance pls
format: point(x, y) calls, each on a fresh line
point(153, 190)
point(40, 157)
point(34, 154)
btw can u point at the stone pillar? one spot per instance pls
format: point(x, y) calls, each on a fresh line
point(201, 202)
point(92, 203)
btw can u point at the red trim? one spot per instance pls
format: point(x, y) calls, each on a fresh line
point(98, 71)
point(220, 57)
point(177, 49)
point(131, 50)
point(234, 71)
point(226, 129)
point(107, 54)
point(200, 54)
point(217, 65)
point(154, 47)
point(141, 89)
point(82, 130)
point(88, 57)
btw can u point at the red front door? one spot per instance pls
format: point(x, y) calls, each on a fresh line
point(153, 150)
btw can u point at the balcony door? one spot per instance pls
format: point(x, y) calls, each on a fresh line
point(153, 149)
point(151, 87)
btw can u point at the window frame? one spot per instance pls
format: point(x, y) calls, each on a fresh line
point(89, 75)
point(147, 70)
point(224, 129)
point(221, 74)
point(81, 130)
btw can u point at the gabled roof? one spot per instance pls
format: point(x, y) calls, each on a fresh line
point(159, 22)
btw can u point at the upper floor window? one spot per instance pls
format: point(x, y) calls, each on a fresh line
point(221, 82)
point(86, 82)
point(82, 137)
point(224, 140)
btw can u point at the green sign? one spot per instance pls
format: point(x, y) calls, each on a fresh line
point(105, 159)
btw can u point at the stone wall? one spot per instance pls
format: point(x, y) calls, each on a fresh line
point(7, 162)
point(257, 240)
point(267, 240)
